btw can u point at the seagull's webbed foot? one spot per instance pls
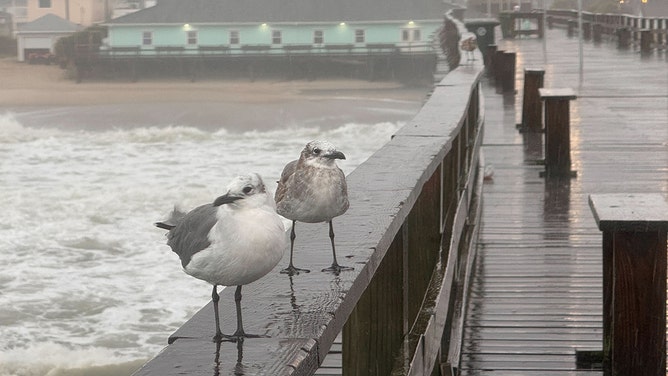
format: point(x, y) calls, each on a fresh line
point(291, 270)
point(239, 337)
point(220, 337)
point(336, 268)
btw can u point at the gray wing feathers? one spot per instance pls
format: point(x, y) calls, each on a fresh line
point(288, 170)
point(190, 232)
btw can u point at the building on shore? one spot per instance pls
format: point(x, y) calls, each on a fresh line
point(252, 32)
point(36, 40)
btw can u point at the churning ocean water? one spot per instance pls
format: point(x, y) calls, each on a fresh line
point(88, 286)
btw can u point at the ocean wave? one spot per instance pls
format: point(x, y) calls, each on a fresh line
point(50, 359)
point(12, 131)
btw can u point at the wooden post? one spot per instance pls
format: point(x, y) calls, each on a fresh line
point(660, 34)
point(634, 281)
point(541, 27)
point(598, 32)
point(506, 71)
point(557, 131)
point(496, 68)
point(572, 24)
point(532, 106)
point(645, 41)
point(623, 37)
point(489, 59)
point(586, 30)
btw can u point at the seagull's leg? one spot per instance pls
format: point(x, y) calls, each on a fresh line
point(240, 325)
point(291, 270)
point(240, 334)
point(215, 298)
point(336, 268)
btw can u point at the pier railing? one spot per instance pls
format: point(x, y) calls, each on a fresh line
point(410, 233)
point(628, 28)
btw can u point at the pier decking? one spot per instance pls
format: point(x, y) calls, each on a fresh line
point(536, 293)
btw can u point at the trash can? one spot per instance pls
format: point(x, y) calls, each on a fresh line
point(484, 31)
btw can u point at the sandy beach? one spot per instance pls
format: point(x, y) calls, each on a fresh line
point(239, 103)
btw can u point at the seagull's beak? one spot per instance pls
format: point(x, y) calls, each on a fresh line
point(225, 199)
point(335, 155)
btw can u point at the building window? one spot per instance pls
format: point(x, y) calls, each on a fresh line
point(192, 37)
point(234, 37)
point(318, 36)
point(276, 37)
point(147, 38)
point(410, 35)
point(45, 3)
point(359, 36)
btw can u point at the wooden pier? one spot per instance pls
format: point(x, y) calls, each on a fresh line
point(536, 296)
point(419, 207)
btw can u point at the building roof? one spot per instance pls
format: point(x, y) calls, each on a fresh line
point(49, 23)
point(281, 11)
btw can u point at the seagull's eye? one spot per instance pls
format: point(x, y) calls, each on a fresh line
point(247, 189)
point(316, 151)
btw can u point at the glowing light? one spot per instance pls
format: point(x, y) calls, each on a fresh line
point(411, 23)
point(342, 24)
point(187, 27)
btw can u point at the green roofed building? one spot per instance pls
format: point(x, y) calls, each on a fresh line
point(279, 28)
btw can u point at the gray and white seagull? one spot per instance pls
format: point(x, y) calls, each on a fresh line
point(234, 241)
point(313, 189)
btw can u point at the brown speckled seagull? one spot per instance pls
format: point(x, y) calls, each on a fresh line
point(313, 189)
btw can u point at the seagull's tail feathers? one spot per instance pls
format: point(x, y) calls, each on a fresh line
point(175, 217)
point(164, 225)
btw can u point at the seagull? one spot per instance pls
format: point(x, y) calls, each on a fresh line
point(233, 241)
point(313, 189)
point(469, 45)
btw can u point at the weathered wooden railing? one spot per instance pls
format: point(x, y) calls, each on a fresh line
point(409, 233)
point(647, 32)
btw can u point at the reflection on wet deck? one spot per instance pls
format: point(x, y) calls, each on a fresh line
point(536, 295)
